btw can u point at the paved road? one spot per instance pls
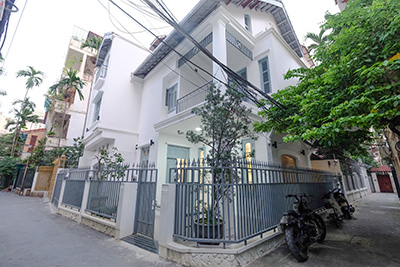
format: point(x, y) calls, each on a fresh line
point(372, 238)
point(30, 235)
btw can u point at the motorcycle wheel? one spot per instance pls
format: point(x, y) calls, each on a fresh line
point(346, 211)
point(335, 218)
point(321, 225)
point(298, 250)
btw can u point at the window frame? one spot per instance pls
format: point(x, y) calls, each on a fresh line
point(268, 70)
point(171, 92)
point(247, 23)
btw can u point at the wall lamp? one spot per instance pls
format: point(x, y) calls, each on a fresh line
point(274, 144)
point(303, 152)
point(136, 147)
point(151, 142)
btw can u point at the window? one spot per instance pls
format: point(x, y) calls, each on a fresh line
point(96, 114)
point(170, 98)
point(32, 143)
point(264, 71)
point(247, 22)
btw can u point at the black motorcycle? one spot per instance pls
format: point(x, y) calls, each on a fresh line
point(302, 227)
point(346, 208)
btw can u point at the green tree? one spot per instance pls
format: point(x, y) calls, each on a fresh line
point(22, 116)
point(7, 169)
point(93, 43)
point(355, 87)
point(317, 39)
point(34, 78)
point(110, 162)
point(6, 141)
point(224, 122)
point(65, 91)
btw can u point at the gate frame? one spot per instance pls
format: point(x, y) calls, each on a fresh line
point(143, 172)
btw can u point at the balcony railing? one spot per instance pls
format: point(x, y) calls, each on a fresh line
point(193, 98)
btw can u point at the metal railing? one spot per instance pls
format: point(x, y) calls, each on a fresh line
point(104, 187)
point(74, 188)
point(193, 98)
point(103, 198)
point(231, 203)
point(57, 187)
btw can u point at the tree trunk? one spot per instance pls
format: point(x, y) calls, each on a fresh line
point(62, 123)
point(392, 139)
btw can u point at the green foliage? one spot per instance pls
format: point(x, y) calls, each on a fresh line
point(66, 87)
point(34, 77)
point(6, 141)
point(110, 163)
point(93, 43)
point(224, 122)
point(355, 86)
point(42, 157)
point(7, 167)
point(22, 115)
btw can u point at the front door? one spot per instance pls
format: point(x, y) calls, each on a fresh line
point(385, 185)
point(174, 154)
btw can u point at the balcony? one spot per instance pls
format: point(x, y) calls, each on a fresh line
point(100, 77)
point(193, 98)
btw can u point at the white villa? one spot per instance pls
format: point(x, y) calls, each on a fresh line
point(140, 100)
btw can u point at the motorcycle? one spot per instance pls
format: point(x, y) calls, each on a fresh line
point(346, 208)
point(335, 213)
point(302, 227)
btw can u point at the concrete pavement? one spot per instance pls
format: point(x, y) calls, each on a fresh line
point(372, 238)
point(30, 235)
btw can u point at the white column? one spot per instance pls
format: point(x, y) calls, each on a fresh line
point(167, 213)
point(219, 49)
point(126, 209)
point(85, 198)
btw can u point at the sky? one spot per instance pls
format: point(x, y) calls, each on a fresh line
point(46, 26)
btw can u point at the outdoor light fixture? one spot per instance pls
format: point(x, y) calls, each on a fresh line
point(136, 147)
point(274, 144)
point(151, 142)
point(303, 152)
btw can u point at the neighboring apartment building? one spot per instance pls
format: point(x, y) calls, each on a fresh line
point(84, 61)
point(139, 106)
point(32, 140)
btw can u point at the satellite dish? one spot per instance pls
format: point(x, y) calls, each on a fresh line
point(397, 145)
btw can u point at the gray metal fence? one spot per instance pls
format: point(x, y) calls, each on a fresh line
point(74, 187)
point(231, 203)
point(57, 186)
point(103, 198)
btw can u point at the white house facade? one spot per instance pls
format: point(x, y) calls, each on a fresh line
point(140, 100)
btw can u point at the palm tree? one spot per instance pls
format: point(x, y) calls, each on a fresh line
point(65, 90)
point(34, 78)
point(93, 43)
point(22, 116)
point(316, 38)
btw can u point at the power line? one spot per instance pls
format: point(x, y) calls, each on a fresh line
point(12, 39)
point(144, 47)
point(229, 71)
